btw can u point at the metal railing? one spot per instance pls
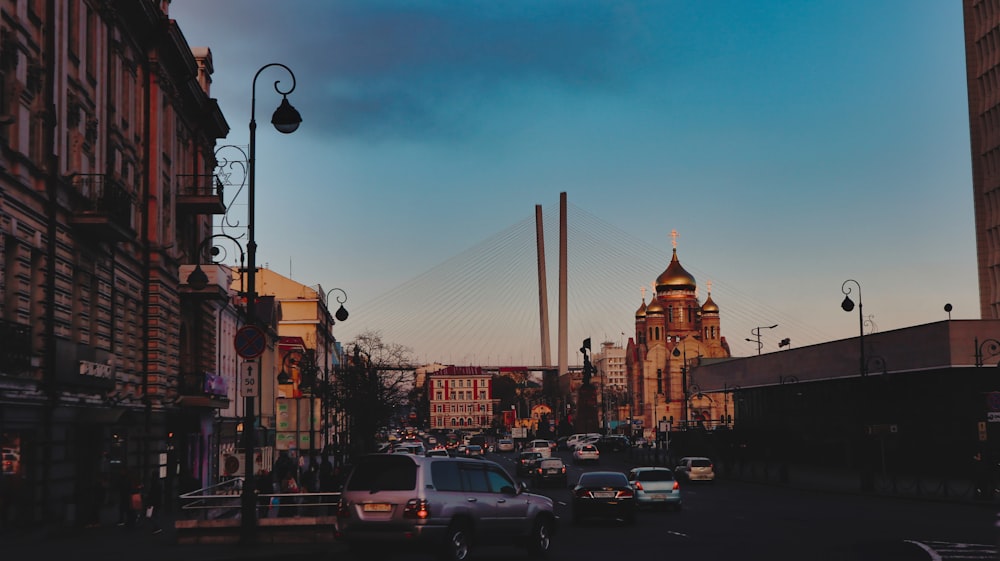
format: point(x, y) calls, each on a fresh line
point(223, 500)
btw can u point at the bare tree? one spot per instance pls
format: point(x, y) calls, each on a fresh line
point(371, 387)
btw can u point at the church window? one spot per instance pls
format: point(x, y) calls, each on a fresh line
point(659, 380)
point(657, 338)
point(670, 314)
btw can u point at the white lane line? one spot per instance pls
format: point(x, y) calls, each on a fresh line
point(933, 554)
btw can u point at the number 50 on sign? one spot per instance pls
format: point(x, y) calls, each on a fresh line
point(249, 385)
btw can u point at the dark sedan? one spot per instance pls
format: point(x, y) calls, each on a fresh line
point(605, 494)
point(526, 462)
point(549, 470)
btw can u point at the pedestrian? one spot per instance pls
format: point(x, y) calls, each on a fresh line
point(129, 497)
point(154, 501)
point(289, 486)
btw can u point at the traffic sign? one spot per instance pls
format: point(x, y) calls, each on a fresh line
point(249, 385)
point(250, 342)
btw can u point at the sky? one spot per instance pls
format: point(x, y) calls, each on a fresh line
point(792, 145)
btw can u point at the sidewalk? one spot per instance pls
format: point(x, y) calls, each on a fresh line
point(111, 542)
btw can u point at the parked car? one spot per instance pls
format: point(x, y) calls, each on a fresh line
point(655, 487)
point(541, 446)
point(695, 468)
point(606, 494)
point(586, 453)
point(526, 462)
point(505, 445)
point(446, 505)
point(549, 470)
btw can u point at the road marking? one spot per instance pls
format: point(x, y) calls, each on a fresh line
point(944, 551)
point(681, 534)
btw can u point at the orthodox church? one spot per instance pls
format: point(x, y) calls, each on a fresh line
point(673, 333)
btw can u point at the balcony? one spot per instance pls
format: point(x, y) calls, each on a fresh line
point(15, 353)
point(203, 389)
point(219, 279)
point(103, 208)
point(200, 194)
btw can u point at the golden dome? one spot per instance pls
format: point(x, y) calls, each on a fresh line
point(709, 307)
point(675, 277)
point(654, 307)
point(641, 312)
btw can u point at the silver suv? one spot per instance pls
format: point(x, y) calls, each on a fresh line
point(447, 504)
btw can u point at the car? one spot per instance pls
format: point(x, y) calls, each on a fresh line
point(586, 453)
point(438, 451)
point(474, 450)
point(549, 470)
point(443, 505)
point(526, 462)
point(541, 446)
point(409, 447)
point(587, 440)
point(505, 445)
point(574, 439)
point(695, 468)
point(11, 463)
point(614, 443)
point(605, 494)
point(460, 449)
point(655, 487)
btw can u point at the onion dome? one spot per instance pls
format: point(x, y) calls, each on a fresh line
point(675, 277)
point(655, 307)
point(641, 312)
point(709, 307)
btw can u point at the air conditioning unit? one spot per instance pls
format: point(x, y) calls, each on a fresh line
point(231, 465)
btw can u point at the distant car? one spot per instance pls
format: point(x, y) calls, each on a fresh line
point(586, 453)
point(549, 470)
point(474, 450)
point(605, 494)
point(11, 463)
point(613, 443)
point(460, 449)
point(438, 451)
point(695, 468)
point(586, 440)
point(526, 462)
point(409, 447)
point(541, 446)
point(655, 487)
point(505, 445)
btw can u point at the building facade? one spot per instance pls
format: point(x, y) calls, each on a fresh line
point(982, 61)
point(460, 397)
point(673, 333)
point(106, 110)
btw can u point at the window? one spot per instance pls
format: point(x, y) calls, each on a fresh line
point(474, 478)
point(659, 380)
point(499, 481)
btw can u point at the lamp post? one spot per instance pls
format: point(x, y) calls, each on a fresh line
point(197, 279)
point(340, 315)
point(756, 333)
point(848, 305)
point(286, 120)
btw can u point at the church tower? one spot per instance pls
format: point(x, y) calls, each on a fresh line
point(673, 332)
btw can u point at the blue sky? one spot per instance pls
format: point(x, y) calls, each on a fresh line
point(792, 144)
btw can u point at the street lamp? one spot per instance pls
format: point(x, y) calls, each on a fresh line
point(286, 120)
point(197, 279)
point(991, 345)
point(847, 306)
point(756, 333)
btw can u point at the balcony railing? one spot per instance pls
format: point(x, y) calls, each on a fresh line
point(15, 352)
point(104, 208)
point(200, 194)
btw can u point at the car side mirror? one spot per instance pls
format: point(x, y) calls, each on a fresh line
point(521, 487)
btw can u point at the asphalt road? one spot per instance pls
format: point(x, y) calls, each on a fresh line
point(727, 520)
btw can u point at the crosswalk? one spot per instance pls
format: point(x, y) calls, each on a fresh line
point(950, 551)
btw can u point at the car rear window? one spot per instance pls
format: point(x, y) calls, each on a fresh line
point(551, 463)
point(392, 472)
point(594, 479)
point(657, 475)
point(701, 462)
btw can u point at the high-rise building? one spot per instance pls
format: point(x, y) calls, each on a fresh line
point(982, 63)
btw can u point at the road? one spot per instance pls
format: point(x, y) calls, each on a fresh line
point(727, 520)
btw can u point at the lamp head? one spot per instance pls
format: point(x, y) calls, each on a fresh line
point(341, 314)
point(286, 119)
point(198, 280)
point(847, 304)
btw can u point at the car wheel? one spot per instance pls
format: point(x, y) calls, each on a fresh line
point(541, 538)
point(457, 546)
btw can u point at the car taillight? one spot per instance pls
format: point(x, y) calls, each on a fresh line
point(343, 511)
point(638, 485)
point(625, 494)
point(538, 471)
point(417, 508)
point(676, 485)
point(564, 469)
point(583, 494)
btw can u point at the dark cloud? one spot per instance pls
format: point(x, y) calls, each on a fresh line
point(402, 68)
